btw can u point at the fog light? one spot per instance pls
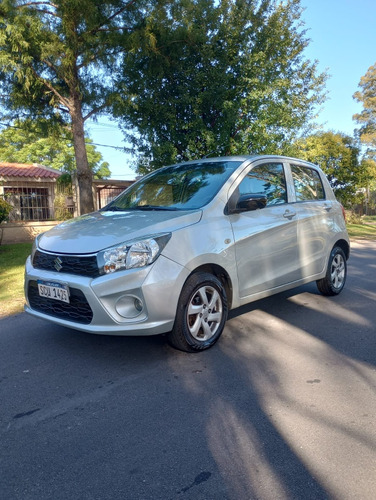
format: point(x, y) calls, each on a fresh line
point(138, 304)
point(129, 306)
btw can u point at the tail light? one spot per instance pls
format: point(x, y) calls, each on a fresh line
point(343, 212)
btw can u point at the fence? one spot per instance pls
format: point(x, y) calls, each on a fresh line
point(107, 194)
point(42, 202)
point(46, 201)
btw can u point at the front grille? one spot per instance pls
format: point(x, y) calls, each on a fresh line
point(78, 310)
point(71, 264)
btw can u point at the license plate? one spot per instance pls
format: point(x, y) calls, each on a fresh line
point(52, 290)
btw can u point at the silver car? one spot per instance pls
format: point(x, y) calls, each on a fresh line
point(187, 243)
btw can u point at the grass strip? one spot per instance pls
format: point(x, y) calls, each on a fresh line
point(362, 231)
point(12, 265)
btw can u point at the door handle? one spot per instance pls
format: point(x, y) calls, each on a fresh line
point(327, 207)
point(289, 214)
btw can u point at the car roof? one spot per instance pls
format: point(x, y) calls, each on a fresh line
point(251, 158)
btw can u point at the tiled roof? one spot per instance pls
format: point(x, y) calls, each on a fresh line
point(27, 170)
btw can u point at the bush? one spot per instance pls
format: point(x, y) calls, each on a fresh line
point(353, 217)
point(61, 211)
point(5, 210)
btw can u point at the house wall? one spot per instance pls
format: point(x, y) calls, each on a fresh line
point(22, 232)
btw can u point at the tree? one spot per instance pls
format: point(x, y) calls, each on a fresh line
point(56, 60)
point(217, 77)
point(338, 156)
point(5, 210)
point(24, 143)
point(367, 118)
point(368, 166)
point(367, 132)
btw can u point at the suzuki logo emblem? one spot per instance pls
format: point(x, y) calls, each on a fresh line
point(58, 264)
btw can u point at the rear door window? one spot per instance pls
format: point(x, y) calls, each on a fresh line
point(307, 184)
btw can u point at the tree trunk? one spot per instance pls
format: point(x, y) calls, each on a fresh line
point(84, 173)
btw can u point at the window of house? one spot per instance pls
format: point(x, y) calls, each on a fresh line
point(30, 203)
point(268, 180)
point(307, 183)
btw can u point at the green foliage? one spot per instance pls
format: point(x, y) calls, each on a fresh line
point(217, 78)
point(367, 134)
point(5, 210)
point(353, 218)
point(368, 180)
point(54, 55)
point(367, 118)
point(27, 142)
point(57, 60)
point(338, 156)
point(60, 209)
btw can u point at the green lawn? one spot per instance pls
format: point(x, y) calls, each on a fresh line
point(365, 230)
point(369, 218)
point(12, 264)
point(362, 231)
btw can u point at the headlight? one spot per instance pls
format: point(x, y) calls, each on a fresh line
point(129, 255)
point(35, 246)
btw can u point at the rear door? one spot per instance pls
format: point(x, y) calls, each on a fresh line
point(314, 214)
point(265, 239)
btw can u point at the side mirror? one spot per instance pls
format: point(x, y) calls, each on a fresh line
point(249, 202)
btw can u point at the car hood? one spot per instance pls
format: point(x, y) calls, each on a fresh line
point(98, 230)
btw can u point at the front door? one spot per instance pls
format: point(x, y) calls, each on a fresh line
point(265, 239)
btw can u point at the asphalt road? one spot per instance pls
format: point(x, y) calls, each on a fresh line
point(283, 407)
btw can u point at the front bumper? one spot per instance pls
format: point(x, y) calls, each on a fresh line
point(102, 305)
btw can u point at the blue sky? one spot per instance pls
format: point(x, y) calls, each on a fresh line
point(343, 40)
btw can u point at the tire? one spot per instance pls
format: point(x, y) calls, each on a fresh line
point(201, 314)
point(335, 279)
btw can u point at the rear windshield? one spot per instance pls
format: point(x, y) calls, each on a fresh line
point(184, 187)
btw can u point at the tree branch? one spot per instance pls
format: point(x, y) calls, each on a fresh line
point(29, 4)
point(115, 14)
point(64, 110)
point(119, 28)
point(94, 111)
point(50, 65)
point(43, 11)
point(63, 100)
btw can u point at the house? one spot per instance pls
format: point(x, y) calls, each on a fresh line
point(38, 199)
point(30, 188)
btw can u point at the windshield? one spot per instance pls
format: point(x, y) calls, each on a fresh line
point(184, 187)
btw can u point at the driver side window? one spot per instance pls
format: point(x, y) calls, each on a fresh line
point(266, 180)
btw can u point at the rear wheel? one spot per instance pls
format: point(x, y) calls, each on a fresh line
point(201, 314)
point(334, 281)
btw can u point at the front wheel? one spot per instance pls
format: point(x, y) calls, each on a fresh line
point(201, 314)
point(335, 278)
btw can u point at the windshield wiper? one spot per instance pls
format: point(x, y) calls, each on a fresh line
point(114, 209)
point(138, 207)
point(153, 207)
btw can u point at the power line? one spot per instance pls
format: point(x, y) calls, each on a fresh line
point(108, 125)
point(118, 148)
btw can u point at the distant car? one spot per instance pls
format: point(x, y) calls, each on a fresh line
point(184, 245)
